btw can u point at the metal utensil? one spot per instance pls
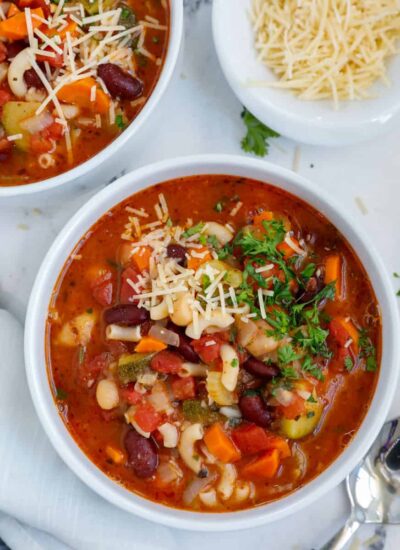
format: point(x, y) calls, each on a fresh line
point(373, 487)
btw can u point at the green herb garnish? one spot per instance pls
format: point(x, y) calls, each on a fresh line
point(193, 230)
point(257, 136)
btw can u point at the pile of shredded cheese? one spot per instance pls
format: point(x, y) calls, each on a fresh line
point(326, 48)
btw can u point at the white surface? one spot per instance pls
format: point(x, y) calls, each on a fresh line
point(117, 148)
point(64, 245)
point(205, 117)
point(315, 122)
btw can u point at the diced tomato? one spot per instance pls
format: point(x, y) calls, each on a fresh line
point(208, 347)
point(127, 292)
point(167, 362)
point(39, 144)
point(147, 418)
point(102, 288)
point(35, 4)
point(91, 369)
point(338, 332)
point(3, 52)
point(183, 388)
point(130, 395)
point(116, 347)
point(4, 95)
point(295, 409)
point(54, 131)
point(57, 61)
point(252, 439)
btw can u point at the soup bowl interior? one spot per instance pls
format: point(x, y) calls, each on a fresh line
point(117, 149)
point(35, 353)
point(315, 122)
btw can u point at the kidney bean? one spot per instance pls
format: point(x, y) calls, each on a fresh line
point(177, 252)
point(126, 314)
point(118, 82)
point(312, 287)
point(186, 350)
point(32, 80)
point(142, 454)
point(14, 48)
point(255, 410)
point(258, 368)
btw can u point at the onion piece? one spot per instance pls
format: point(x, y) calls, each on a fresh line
point(164, 335)
point(37, 123)
point(246, 332)
point(195, 486)
point(284, 397)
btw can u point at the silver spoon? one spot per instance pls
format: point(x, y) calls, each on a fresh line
point(373, 487)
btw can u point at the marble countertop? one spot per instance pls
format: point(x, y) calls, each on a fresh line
point(204, 116)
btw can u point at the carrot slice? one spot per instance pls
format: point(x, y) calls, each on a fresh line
point(142, 258)
point(263, 467)
point(13, 10)
point(79, 92)
point(333, 273)
point(149, 345)
point(351, 330)
point(220, 445)
point(287, 250)
point(14, 28)
point(263, 216)
point(194, 262)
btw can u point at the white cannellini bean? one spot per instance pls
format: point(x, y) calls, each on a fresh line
point(231, 412)
point(16, 70)
point(226, 484)
point(170, 435)
point(209, 498)
point(192, 369)
point(124, 334)
point(182, 314)
point(261, 343)
point(107, 394)
point(230, 366)
point(187, 450)
point(221, 232)
point(217, 319)
point(242, 491)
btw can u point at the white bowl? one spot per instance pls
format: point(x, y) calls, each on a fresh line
point(314, 122)
point(117, 150)
point(35, 341)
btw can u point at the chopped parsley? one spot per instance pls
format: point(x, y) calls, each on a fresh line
point(396, 275)
point(257, 136)
point(193, 230)
point(219, 206)
point(311, 368)
point(119, 121)
point(348, 363)
point(286, 354)
point(289, 372)
point(234, 363)
point(308, 271)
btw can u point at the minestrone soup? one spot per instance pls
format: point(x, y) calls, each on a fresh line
point(73, 75)
point(213, 343)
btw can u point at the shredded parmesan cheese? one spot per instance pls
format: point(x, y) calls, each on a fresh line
point(320, 49)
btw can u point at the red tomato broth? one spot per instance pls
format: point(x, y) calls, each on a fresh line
point(346, 396)
point(19, 167)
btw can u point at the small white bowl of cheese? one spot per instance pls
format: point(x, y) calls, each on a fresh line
point(313, 121)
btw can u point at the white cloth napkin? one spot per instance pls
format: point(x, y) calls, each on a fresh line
point(43, 506)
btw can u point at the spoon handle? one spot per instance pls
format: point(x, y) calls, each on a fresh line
point(342, 537)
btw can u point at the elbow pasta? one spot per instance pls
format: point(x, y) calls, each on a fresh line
point(227, 481)
point(230, 367)
point(160, 311)
point(193, 369)
point(182, 314)
point(217, 319)
point(170, 435)
point(124, 334)
point(187, 450)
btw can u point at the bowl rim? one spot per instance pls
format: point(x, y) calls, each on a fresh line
point(167, 70)
point(49, 271)
point(293, 123)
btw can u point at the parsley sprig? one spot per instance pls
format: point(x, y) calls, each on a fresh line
point(257, 136)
